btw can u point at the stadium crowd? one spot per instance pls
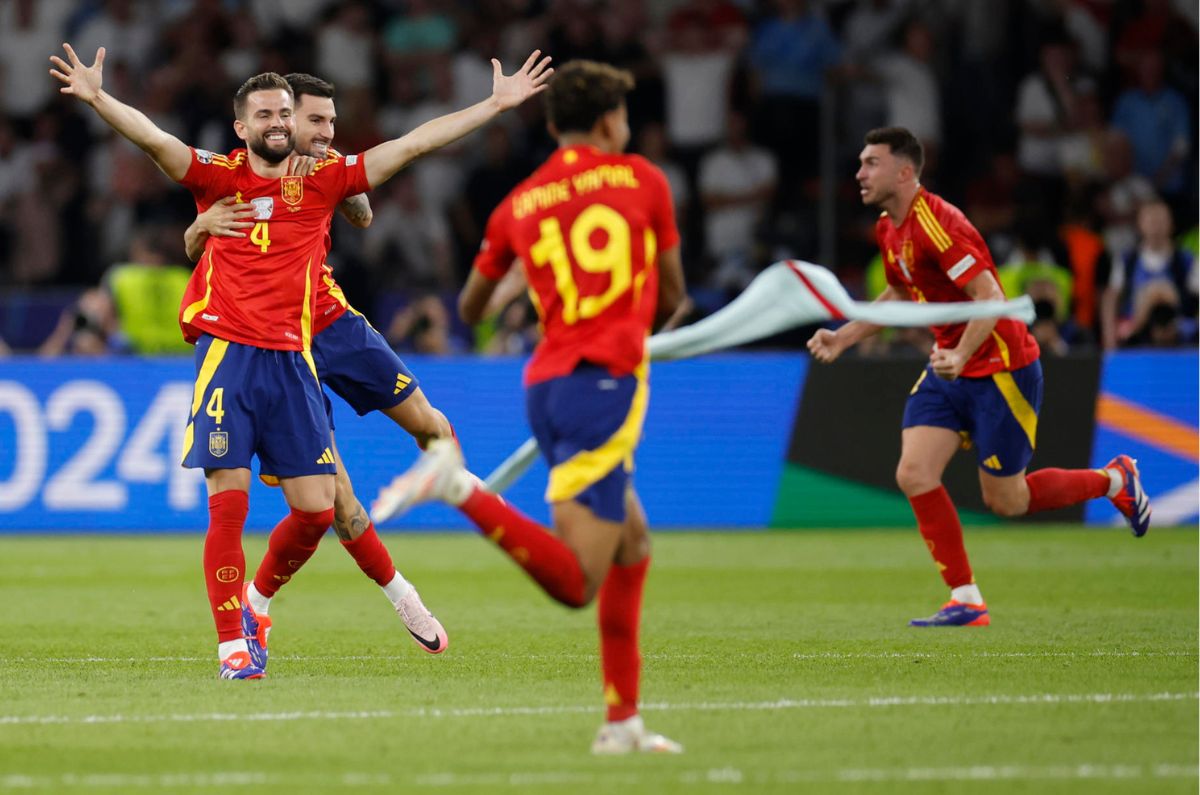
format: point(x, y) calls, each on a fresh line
point(1063, 128)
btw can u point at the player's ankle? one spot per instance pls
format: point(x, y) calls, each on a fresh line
point(967, 594)
point(461, 485)
point(259, 603)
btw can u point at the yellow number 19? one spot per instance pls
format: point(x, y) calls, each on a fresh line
point(614, 258)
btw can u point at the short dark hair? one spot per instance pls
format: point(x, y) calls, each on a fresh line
point(267, 81)
point(582, 91)
point(308, 85)
point(901, 141)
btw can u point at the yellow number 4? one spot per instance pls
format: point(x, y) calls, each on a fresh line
point(216, 404)
point(260, 236)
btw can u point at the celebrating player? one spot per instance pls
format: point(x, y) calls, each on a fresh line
point(354, 360)
point(256, 389)
point(595, 229)
point(983, 383)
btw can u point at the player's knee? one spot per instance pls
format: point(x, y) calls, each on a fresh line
point(1006, 504)
point(914, 479)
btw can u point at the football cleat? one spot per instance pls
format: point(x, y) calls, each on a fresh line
point(955, 614)
point(255, 628)
point(239, 666)
point(1131, 500)
point(430, 478)
point(629, 735)
point(427, 632)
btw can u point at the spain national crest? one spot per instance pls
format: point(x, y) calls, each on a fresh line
point(292, 189)
point(218, 443)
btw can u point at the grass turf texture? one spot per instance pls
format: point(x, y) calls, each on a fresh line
point(782, 661)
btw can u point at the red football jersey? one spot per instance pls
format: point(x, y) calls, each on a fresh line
point(331, 302)
point(931, 255)
point(261, 290)
point(588, 227)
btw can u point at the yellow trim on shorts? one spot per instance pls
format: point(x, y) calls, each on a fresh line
point(570, 478)
point(212, 359)
point(1018, 405)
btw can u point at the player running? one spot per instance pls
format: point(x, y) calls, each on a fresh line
point(352, 359)
point(595, 230)
point(983, 383)
point(256, 389)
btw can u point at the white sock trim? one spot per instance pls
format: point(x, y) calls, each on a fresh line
point(260, 603)
point(967, 594)
point(1116, 481)
point(229, 647)
point(397, 589)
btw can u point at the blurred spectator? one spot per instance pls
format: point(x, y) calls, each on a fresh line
point(1156, 272)
point(30, 31)
point(124, 28)
point(408, 244)
point(1087, 256)
point(516, 332)
point(87, 328)
point(1157, 121)
point(870, 26)
point(1126, 191)
point(992, 199)
point(737, 182)
point(486, 186)
point(911, 90)
point(1081, 150)
point(422, 36)
point(791, 51)
point(1035, 270)
point(1046, 329)
point(146, 292)
point(652, 145)
point(697, 66)
point(1045, 104)
point(345, 54)
point(423, 327)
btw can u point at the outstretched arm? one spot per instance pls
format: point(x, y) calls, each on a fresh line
point(383, 161)
point(84, 83)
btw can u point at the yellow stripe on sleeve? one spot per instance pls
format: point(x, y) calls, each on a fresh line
point(931, 226)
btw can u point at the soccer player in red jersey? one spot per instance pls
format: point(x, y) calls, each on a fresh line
point(983, 383)
point(256, 389)
point(355, 362)
point(595, 231)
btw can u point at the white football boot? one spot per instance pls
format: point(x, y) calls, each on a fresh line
point(629, 735)
point(438, 475)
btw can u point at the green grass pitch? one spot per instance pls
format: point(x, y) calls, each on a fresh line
point(781, 660)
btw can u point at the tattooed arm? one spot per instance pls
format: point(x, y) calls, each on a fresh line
point(357, 210)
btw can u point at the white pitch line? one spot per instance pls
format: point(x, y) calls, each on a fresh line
point(702, 706)
point(522, 780)
point(831, 655)
point(972, 655)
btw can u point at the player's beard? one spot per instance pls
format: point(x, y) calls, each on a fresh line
point(260, 147)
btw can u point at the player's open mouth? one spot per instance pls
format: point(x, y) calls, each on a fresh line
point(276, 137)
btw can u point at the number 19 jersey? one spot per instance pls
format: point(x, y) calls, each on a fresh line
point(588, 227)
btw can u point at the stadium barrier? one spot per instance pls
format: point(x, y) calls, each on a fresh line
point(731, 441)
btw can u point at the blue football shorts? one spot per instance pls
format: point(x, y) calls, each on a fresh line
point(998, 414)
point(588, 425)
point(251, 401)
point(355, 361)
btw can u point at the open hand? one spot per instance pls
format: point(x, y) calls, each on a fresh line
point(226, 217)
point(301, 165)
point(81, 82)
point(530, 79)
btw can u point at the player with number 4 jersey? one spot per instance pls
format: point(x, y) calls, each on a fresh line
point(595, 231)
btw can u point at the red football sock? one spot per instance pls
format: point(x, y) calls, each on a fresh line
point(292, 543)
point(546, 559)
point(372, 556)
point(938, 522)
point(619, 612)
point(1058, 488)
point(224, 561)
